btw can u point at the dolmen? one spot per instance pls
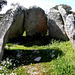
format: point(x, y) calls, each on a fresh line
point(19, 19)
point(61, 23)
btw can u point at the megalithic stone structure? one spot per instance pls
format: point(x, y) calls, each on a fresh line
point(56, 21)
point(56, 25)
point(64, 11)
point(35, 21)
point(69, 22)
point(70, 28)
point(11, 26)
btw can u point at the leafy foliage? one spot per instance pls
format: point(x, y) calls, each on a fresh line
point(66, 7)
point(2, 2)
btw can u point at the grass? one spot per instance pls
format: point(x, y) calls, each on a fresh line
point(57, 57)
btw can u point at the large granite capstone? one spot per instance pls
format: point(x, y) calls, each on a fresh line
point(35, 22)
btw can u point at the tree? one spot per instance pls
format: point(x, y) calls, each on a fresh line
point(66, 7)
point(2, 3)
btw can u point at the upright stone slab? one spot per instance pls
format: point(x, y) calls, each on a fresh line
point(11, 26)
point(35, 21)
point(17, 27)
point(70, 28)
point(56, 25)
point(64, 11)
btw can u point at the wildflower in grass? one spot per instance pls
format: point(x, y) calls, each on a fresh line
point(1, 67)
point(2, 74)
point(30, 63)
point(13, 73)
point(14, 64)
point(58, 57)
point(52, 67)
point(43, 70)
point(3, 62)
point(53, 51)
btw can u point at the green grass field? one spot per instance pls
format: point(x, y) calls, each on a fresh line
point(57, 57)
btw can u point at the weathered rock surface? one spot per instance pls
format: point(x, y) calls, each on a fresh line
point(10, 26)
point(37, 59)
point(35, 21)
point(64, 11)
point(70, 28)
point(56, 25)
point(17, 27)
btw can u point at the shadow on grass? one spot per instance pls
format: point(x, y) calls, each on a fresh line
point(26, 57)
point(31, 41)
